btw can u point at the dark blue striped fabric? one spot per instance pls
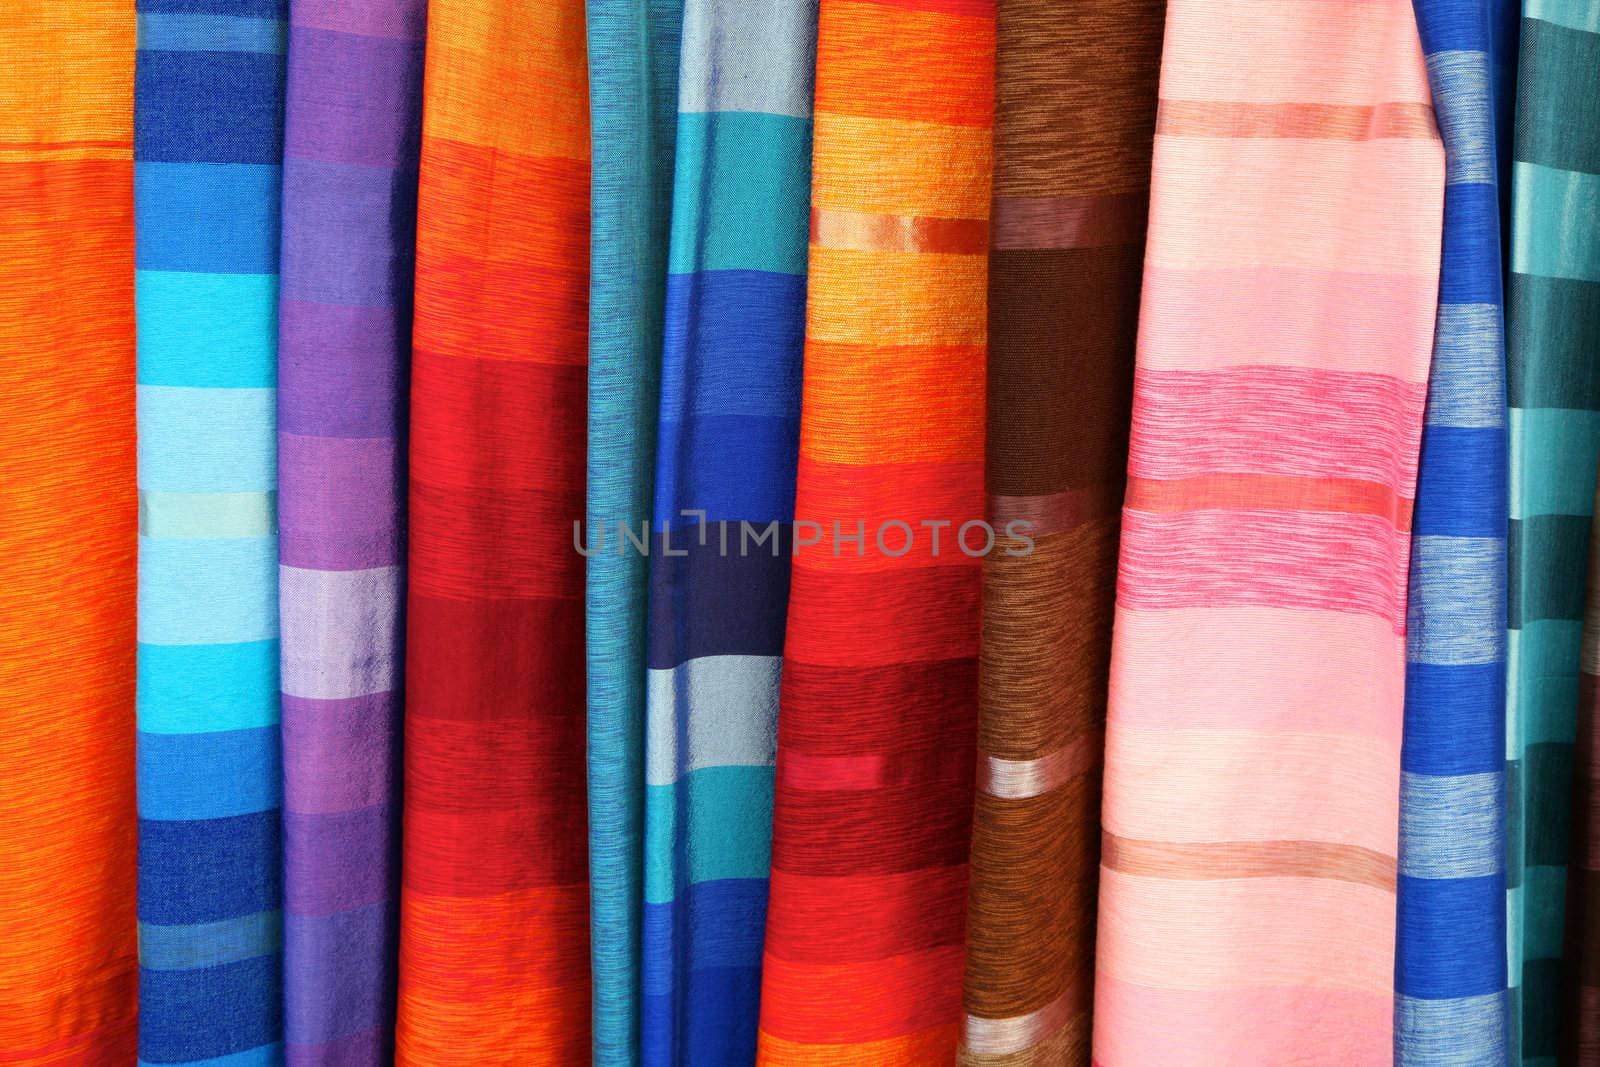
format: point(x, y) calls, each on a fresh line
point(1451, 1003)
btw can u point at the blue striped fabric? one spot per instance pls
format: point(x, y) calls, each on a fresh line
point(729, 438)
point(633, 66)
point(1451, 1004)
point(208, 136)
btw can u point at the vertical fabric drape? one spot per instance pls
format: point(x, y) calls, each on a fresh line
point(494, 940)
point(1075, 104)
point(1553, 327)
point(1580, 990)
point(728, 442)
point(353, 118)
point(872, 808)
point(208, 149)
point(1450, 950)
point(1253, 739)
point(633, 75)
point(68, 512)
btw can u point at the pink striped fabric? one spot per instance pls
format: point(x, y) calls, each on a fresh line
point(1252, 755)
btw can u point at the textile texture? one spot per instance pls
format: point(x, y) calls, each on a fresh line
point(494, 944)
point(728, 442)
point(1252, 772)
point(208, 149)
point(1580, 992)
point(872, 809)
point(68, 514)
point(1075, 106)
point(1450, 951)
point(1553, 379)
point(353, 119)
point(633, 75)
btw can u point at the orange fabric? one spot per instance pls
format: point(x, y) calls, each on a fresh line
point(68, 519)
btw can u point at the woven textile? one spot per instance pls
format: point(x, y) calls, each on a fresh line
point(633, 73)
point(872, 808)
point(1553, 379)
point(729, 436)
point(1580, 990)
point(494, 949)
point(354, 106)
point(208, 144)
point(67, 519)
point(1253, 738)
point(1075, 104)
point(1450, 951)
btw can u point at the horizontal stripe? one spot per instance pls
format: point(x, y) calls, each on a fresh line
point(898, 233)
point(262, 1056)
point(713, 317)
point(1461, 79)
point(1050, 513)
point(342, 631)
point(719, 821)
point(1436, 911)
point(242, 122)
point(177, 948)
point(1553, 472)
point(725, 706)
point(340, 861)
point(1468, 341)
point(1454, 609)
point(194, 592)
point(206, 329)
point(1548, 589)
point(204, 218)
point(734, 908)
point(709, 604)
point(364, 733)
point(1340, 122)
point(748, 55)
point(1556, 251)
point(1248, 859)
point(174, 890)
point(1462, 456)
point(1578, 15)
point(208, 514)
point(1454, 715)
point(202, 688)
point(206, 440)
point(1014, 779)
point(1000, 1037)
point(176, 32)
point(211, 775)
point(1069, 221)
point(343, 501)
point(333, 998)
point(1450, 826)
point(1441, 1033)
point(319, 260)
point(1287, 492)
point(1542, 692)
point(1566, 59)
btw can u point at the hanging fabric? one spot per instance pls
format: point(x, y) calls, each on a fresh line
point(1253, 741)
point(725, 475)
point(208, 148)
point(354, 106)
point(494, 930)
point(1580, 989)
point(1075, 102)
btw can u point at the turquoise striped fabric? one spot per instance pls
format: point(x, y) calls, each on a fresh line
point(633, 69)
point(208, 123)
point(1553, 319)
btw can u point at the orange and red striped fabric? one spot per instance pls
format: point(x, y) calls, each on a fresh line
point(865, 944)
point(68, 519)
point(494, 960)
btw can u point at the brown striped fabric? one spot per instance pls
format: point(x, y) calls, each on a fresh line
point(1580, 1013)
point(1075, 119)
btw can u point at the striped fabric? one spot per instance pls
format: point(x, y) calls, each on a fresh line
point(729, 435)
point(1552, 330)
point(1580, 986)
point(208, 144)
point(633, 70)
point(1450, 951)
point(871, 825)
point(494, 943)
point(1253, 739)
point(1075, 103)
point(68, 954)
point(354, 102)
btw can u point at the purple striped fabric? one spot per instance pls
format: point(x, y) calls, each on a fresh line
point(349, 239)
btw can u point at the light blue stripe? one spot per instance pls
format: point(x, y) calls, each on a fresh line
point(1456, 583)
point(205, 592)
point(187, 689)
point(265, 1056)
point(1569, 251)
point(187, 948)
point(728, 706)
point(209, 775)
point(201, 329)
point(208, 514)
point(1450, 827)
point(729, 831)
point(176, 32)
point(1464, 1032)
point(1582, 15)
point(1468, 344)
point(1464, 77)
point(748, 55)
point(757, 170)
point(1566, 442)
point(207, 440)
